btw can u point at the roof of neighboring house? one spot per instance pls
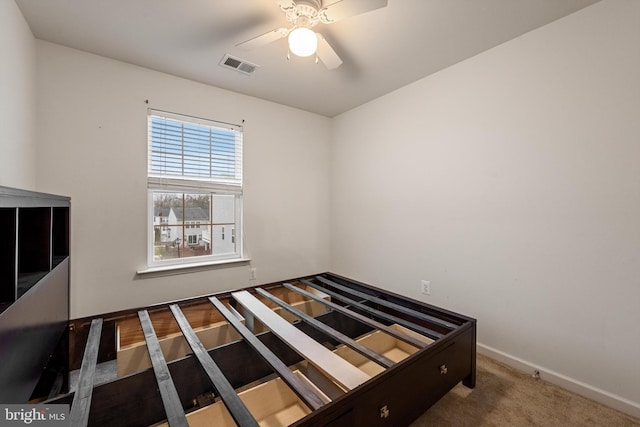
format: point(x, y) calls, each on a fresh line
point(191, 214)
point(158, 211)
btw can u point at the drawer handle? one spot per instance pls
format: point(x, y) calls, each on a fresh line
point(443, 369)
point(384, 412)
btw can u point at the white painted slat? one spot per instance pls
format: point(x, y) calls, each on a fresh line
point(335, 367)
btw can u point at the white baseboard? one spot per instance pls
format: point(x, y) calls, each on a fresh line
point(575, 386)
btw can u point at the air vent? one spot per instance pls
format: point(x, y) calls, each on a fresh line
point(238, 64)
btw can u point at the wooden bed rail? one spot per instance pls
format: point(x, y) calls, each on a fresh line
point(238, 410)
point(337, 335)
point(359, 317)
point(413, 313)
point(281, 369)
point(82, 398)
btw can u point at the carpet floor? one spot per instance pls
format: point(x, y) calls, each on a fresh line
point(504, 396)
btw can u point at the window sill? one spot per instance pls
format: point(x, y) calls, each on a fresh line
point(167, 270)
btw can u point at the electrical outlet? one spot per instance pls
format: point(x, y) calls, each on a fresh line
point(425, 287)
point(252, 273)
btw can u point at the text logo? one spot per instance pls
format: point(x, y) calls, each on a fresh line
point(34, 415)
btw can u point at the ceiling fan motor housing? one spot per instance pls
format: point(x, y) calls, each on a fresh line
point(305, 13)
point(315, 4)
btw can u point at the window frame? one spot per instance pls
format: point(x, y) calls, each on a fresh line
point(210, 186)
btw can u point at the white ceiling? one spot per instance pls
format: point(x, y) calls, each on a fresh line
point(382, 50)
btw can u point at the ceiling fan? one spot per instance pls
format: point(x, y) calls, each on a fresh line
point(304, 15)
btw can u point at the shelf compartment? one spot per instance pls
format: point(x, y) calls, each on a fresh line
point(294, 299)
point(384, 344)
point(209, 326)
point(7, 258)
point(272, 403)
point(378, 341)
point(59, 235)
point(34, 246)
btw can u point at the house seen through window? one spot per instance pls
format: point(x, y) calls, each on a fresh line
point(195, 189)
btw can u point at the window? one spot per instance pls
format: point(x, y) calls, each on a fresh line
point(195, 189)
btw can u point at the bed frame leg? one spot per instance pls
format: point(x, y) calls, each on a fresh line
point(470, 380)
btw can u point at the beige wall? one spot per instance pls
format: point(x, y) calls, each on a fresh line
point(17, 99)
point(511, 181)
point(92, 147)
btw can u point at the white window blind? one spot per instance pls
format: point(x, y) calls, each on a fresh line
point(189, 149)
point(194, 189)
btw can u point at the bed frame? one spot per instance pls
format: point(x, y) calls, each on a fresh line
point(321, 350)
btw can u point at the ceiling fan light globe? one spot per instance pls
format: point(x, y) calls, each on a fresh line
point(303, 41)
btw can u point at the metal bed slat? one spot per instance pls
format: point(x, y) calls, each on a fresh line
point(388, 304)
point(328, 330)
point(82, 398)
point(300, 388)
point(168, 393)
point(236, 407)
point(420, 329)
point(375, 324)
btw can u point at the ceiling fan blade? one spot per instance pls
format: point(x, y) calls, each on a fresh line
point(346, 8)
point(327, 55)
point(264, 39)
